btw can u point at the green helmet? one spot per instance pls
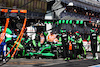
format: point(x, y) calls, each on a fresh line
point(77, 33)
point(91, 30)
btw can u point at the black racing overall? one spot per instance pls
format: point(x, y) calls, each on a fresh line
point(93, 38)
point(65, 45)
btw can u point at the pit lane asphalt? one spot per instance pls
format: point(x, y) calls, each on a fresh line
point(22, 62)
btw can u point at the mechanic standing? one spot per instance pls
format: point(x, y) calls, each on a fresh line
point(93, 38)
point(81, 50)
point(65, 45)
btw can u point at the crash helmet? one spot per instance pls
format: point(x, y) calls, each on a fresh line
point(77, 33)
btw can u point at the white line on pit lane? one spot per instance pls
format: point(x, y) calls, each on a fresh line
point(95, 66)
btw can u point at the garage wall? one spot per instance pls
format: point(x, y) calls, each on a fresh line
point(35, 5)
